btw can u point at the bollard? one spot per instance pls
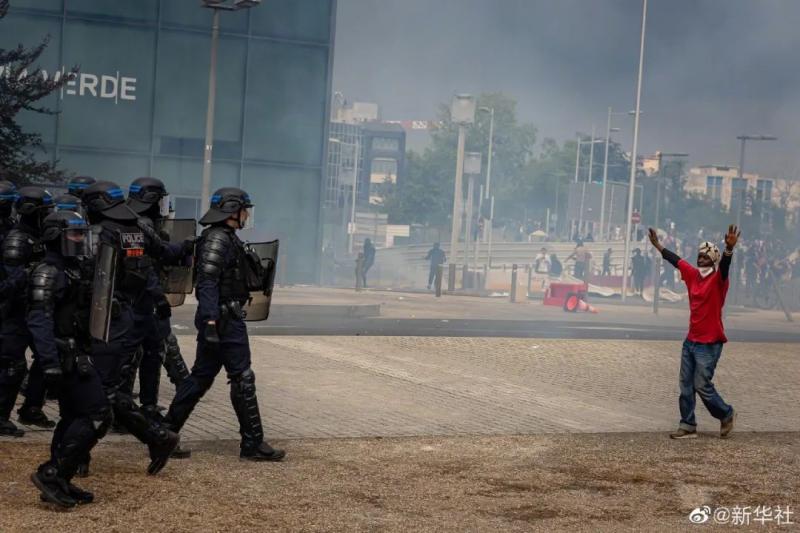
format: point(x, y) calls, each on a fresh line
point(437, 280)
point(485, 276)
point(451, 277)
point(464, 277)
point(513, 283)
point(530, 276)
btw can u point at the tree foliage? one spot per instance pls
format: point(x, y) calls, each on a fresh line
point(20, 89)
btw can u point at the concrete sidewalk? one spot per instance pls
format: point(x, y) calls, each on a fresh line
point(313, 387)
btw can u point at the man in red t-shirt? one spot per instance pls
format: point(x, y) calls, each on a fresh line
point(707, 285)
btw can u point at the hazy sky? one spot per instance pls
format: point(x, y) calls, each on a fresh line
point(714, 69)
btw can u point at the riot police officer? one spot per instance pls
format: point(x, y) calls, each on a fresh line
point(59, 299)
point(148, 198)
point(8, 285)
point(125, 250)
point(222, 340)
point(22, 250)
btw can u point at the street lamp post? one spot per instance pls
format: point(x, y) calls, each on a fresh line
point(351, 229)
point(632, 184)
point(462, 112)
point(744, 139)
point(217, 6)
point(487, 228)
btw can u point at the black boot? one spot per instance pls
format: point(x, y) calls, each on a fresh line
point(161, 450)
point(245, 404)
point(82, 470)
point(9, 429)
point(261, 452)
point(54, 489)
point(160, 441)
point(34, 416)
point(80, 496)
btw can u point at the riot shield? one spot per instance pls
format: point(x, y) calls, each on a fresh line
point(177, 279)
point(103, 291)
point(257, 307)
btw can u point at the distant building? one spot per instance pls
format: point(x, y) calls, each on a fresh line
point(722, 184)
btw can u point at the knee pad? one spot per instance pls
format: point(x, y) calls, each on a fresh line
point(244, 381)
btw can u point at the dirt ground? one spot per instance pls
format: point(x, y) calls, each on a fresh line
point(577, 482)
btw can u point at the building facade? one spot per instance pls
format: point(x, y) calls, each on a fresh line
point(138, 104)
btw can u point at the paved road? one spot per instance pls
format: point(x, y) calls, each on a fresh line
point(313, 387)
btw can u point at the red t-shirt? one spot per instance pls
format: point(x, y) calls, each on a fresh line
point(706, 298)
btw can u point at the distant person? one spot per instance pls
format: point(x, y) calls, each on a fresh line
point(638, 271)
point(360, 278)
point(580, 255)
point(436, 257)
point(707, 286)
point(555, 266)
point(541, 263)
point(607, 262)
point(369, 258)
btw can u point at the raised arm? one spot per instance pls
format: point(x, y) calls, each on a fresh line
point(668, 255)
point(731, 238)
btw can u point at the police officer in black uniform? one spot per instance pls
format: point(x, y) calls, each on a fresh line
point(8, 285)
point(21, 251)
point(105, 206)
point(148, 198)
point(68, 202)
point(221, 332)
point(59, 298)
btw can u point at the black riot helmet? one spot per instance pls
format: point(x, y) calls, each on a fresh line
point(149, 196)
point(67, 232)
point(106, 199)
point(68, 202)
point(33, 204)
point(226, 203)
point(78, 184)
point(8, 195)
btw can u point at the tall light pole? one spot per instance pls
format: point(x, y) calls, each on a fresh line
point(351, 229)
point(462, 112)
point(217, 6)
point(632, 184)
point(744, 139)
point(487, 228)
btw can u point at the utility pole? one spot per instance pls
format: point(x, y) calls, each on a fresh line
point(632, 184)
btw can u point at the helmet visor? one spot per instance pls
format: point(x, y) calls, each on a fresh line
point(76, 242)
point(164, 205)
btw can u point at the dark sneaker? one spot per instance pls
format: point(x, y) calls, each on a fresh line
point(726, 426)
point(261, 452)
point(54, 489)
point(180, 453)
point(8, 429)
point(160, 452)
point(33, 416)
point(683, 434)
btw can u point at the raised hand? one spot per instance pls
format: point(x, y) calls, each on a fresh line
point(732, 237)
point(651, 233)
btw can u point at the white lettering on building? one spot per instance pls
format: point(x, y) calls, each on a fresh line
point(102, 86)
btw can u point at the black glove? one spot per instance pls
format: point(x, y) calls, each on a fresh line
point(210, 333)
point(188, 246)
point(53, 378)
point(163, 309)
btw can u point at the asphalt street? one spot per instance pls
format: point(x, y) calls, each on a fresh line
point(567, 328)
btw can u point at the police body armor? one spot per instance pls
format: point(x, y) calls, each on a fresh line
point(20, 249)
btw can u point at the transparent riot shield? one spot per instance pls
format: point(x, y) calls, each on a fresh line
point(177, 279)
point(103, 291)
point(257, 307)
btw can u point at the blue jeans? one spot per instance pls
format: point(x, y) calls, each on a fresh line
point(698, 362)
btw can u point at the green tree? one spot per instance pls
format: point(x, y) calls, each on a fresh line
point(21, 87)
